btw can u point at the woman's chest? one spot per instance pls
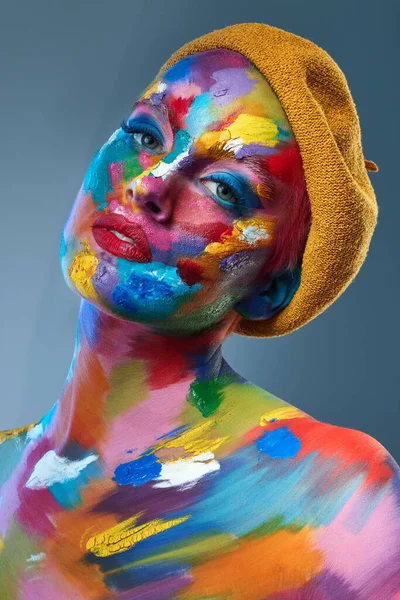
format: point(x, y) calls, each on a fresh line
point(170, 525)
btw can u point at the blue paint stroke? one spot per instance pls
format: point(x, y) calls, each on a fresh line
point(279, 443)
point(138, 472)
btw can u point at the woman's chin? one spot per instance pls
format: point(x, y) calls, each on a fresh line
point(142, 297)
point(152, 293)
point(146, 298)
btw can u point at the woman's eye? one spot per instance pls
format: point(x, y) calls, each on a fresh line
point(221, 190)
point(144, 138)
point(147, 140)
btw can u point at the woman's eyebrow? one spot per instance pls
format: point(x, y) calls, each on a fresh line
point(216, 151)
point(219, 151)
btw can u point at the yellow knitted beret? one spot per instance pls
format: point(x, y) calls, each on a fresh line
point(315, 95)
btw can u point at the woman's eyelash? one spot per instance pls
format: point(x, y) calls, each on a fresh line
point(138, 127)
point(126, 127)
point(235, 189)
point(239, 196)
point(246, 199)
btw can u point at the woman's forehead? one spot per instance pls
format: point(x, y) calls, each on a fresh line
point(201, 68)
point(215, 87)
point(223, 74)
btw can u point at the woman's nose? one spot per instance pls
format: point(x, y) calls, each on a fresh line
point(150, 194)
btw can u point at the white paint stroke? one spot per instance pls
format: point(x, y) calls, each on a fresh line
point(163, 169)
point(186, 471)
point(252, 234)
point(36, 557)
point(234, 144)
point(52, 468)
point(35, 432)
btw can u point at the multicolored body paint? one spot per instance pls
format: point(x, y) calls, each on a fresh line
point(160, 473)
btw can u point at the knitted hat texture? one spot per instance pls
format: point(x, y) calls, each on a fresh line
point(315, 95)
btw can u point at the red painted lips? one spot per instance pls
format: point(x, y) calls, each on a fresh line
point(107, 226)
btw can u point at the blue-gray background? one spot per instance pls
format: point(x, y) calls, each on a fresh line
point(69, 73)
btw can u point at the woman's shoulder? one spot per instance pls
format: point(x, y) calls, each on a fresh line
point(284, 431)
point(339, 488)
point(327, 439)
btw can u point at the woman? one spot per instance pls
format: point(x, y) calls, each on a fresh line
point(161, 472)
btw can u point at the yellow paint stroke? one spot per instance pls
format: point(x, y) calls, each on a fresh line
point(250, 129)
point(12, 433)
point(151, 89)
point(236, 240)
point(210, 138)
point(2, 544)
point(125, 535)
point(139, 187)
point(245, 235)
point(82, 269)
point(195, 441)
point(284, 412)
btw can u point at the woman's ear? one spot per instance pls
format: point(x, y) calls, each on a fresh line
point(269, 298)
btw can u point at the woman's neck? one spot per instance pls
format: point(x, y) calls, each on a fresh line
point(118, 365)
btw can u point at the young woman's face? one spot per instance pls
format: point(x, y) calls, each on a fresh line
point(177, 212)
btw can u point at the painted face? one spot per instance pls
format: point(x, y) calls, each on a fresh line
point(178, 211)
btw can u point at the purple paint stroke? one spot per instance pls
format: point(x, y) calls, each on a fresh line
point(237, 261)
point(157, 98)
point(326, 586)
point(159, 590)
point(229, 84)
point(333, 586)
point(255, 150)
point(385, 582)
point(106, 278)
point(156, 502)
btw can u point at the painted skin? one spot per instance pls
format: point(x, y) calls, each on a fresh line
point(160, 473)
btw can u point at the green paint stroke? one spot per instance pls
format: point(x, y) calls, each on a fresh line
point(132, 168)
point(271, 526)
point(122, 395)
point(207, 395)
point(195, 549)
point(17, 549)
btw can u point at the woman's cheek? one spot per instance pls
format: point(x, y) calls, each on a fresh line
point(104, 184)
point(82, 216)
point(194, 207)
point(82, 270)
point(241, 249)
point(243, 236)
point(147, 161)
point(119, 159)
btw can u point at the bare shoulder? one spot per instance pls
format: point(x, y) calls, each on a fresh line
point(358, 449)
point(341, 447)
point(331, 446)
point(362, 515)
point(340, 488)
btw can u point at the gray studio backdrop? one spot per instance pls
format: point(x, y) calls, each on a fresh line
point(69, 73)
